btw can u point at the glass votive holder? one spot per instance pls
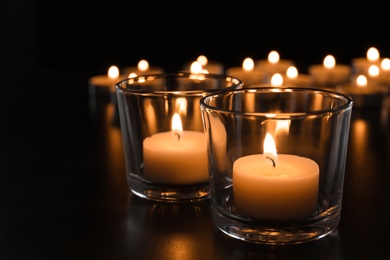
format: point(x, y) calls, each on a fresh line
point(277, 159)
point(162, 132)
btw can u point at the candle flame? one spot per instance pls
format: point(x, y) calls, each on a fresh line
point(385, 64)
point(143, 65)
point(196, 67)
point(248, 64)
point(270, 149)
point(132, 75)
point(373, 71)
point(292, 72)
point(113, 72)
point(329, 62)
point(277, 80)
point(177, 127)
point(202, 60)
point(361, 81)
point(373, 54)
point(273, 57)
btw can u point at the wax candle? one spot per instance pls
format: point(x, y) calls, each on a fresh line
point(275, 187)
point(365, 93)
point(361, 65)
point(273, 64)
point(176, 157)
point(142, 68)
point(103, 85)
point(295, 79)
point(329, 74)
point(248, 73)
point(212, 67)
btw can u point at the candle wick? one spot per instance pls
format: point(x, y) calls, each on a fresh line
point(178, 136)
point(273, 162)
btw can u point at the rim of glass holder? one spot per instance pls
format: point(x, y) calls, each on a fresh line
point(346, 105)
point(236, 83)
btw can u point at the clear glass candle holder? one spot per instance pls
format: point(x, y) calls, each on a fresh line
point(162, 132)
point(277, 159)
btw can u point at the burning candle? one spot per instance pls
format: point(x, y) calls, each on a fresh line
point(329, 74)
point(212, 67)
point(275, 187)
point(142, 68)
point(274, 64)
point(176, 157)
point(103, 85)
point(248, 73)
point(295, 79)
point(362, 64)
point(365, 94)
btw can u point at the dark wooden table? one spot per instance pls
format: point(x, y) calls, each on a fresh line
point(64, 195)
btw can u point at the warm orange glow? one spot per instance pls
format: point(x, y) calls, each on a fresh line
point(196, 67)
point(329, 62)
point(181, 106)
point(248, 64)
point(143, 65)
point(361, 81)
point(373, 71)
point(177, 127)
point(113, 72)
point(277, 80)
point(292, 72)
point(132, 75)
point(202, 60)
point(385, 64)
point(270, 148)
point(373, 54)
point(273, 57)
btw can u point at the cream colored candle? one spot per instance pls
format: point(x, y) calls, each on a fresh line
point(276, 187)
point(142, 68)
point(211, 67)
point(329, 74)
point(273, 64)
point(176, 157)
point(248, 73)
point(103, 85)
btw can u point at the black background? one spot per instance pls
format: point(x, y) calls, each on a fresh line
point(88, 37)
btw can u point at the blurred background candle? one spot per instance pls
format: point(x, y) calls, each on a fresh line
point(329, 74)
point(103, 85)
point(365, 94)
point(248, 73)
point(362, 64)
point(142, 68)
point(275, 187)
point(212, 67)
point(273, 64)
point(292, 78)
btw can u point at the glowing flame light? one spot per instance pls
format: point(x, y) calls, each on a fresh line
point(113, 72)
point(273, 57)
point(329, 62)
point(292, 72)
point(373, 54)
point(202, 60)
point(373, 71)
point(270, 149)
point(385, 64)
point(248, 64)
point(361, 81)
point(143, 65)
point(177, 127)
point(277, 80)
